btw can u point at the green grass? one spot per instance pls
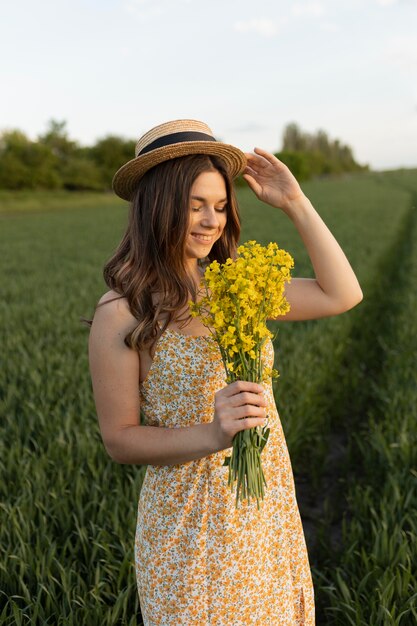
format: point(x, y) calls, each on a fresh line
point(307, 352)
point(29, 201)
point(69, 512)
point(375, 580)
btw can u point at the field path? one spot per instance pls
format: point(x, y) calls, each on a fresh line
point(353, 392)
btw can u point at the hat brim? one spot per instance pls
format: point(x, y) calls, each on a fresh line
point(126, 178)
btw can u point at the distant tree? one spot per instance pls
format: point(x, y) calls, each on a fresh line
point(64, 149)
point(109, 153)
point(13, 173)
point(293, 140)
point(25, 163)
point(297, 162)
point(317, 154)
point(81, 174)
point(321, 143)
point(56, 138)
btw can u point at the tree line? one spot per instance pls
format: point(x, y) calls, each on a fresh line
point(315, 154)
point(54, 161)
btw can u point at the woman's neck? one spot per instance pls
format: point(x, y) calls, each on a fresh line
point(196, 269)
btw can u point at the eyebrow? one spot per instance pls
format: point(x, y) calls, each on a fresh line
point(203, 199)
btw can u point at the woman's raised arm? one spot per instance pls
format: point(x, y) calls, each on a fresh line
point(335, 288)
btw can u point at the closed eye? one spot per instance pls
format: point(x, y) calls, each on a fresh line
point(219, 209)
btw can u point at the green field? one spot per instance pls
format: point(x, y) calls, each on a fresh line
point(347, 396)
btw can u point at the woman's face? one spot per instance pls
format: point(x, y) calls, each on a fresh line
point(208, 215)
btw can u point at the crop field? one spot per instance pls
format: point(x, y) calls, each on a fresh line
point(347, 398)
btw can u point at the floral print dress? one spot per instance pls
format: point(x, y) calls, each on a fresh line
point(199, 560)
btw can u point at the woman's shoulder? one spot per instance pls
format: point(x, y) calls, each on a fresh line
point(112, 322)
point(113, 306)
point(111, 296)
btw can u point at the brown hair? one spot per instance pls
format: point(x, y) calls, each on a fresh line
point(150, 257)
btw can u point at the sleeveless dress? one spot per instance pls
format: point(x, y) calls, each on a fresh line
point(200, 561)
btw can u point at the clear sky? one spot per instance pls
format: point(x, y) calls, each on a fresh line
point(245, 68)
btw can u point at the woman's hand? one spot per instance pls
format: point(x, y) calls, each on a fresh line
point(238, 400)
point(271, 180)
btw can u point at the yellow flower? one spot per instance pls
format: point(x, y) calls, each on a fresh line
point(241, 294)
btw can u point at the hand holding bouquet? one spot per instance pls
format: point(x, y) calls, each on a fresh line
point(240, 295)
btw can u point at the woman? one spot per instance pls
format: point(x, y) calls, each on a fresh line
point(199, 560)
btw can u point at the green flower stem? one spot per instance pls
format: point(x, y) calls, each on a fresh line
point(245, 466)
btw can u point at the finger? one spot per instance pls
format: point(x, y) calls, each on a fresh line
point(257, 162)
point(251, 422)
point(267, 156)
point(242, 385)
point(253, 175)
point(252, 184)
point(243, 412)
point(256, 155)
point(246, 397)
point(251, 171)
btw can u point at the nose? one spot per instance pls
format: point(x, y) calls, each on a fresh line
point(211, 218)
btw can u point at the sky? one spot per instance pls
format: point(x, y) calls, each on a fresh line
point(247, 69)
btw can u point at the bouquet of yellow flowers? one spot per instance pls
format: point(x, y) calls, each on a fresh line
point(240, 295)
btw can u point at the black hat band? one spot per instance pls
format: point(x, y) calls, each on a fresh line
point(167, 140)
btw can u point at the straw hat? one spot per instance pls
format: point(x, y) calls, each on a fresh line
point(171, 140)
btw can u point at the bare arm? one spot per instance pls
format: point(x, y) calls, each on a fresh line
point(335, 288)
point(115, 378)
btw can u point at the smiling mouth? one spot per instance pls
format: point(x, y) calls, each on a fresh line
point(203, 238)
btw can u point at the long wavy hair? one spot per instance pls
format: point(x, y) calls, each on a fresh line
point(150, 259)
